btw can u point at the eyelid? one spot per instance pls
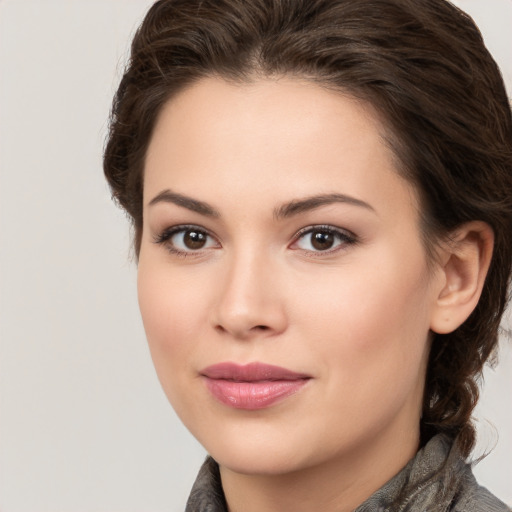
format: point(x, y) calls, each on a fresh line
point(347, 237)
point(164, 237)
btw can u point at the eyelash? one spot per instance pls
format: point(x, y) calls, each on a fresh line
point(345, 238)
point(165, 237)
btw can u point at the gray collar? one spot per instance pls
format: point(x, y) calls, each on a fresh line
point(437, 479)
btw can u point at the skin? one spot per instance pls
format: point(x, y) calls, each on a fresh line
point(355, 318)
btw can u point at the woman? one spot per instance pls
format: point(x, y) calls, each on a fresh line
point(321, 193)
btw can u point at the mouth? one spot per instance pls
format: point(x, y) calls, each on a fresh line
point(252, 386)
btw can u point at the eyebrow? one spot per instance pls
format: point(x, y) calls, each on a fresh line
point(298, 206)
point(286, 210)
point(167, 196)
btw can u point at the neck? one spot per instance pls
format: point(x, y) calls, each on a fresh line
point(340, 485)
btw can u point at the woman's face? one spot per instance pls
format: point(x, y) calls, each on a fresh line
point(278, 232)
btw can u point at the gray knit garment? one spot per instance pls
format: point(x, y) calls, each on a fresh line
point(437, 479)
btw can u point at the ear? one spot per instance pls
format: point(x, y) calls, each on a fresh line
point(464, 264)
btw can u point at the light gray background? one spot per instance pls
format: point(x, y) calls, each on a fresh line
point(84, 426)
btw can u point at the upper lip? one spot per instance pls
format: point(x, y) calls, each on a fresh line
point(252, 372)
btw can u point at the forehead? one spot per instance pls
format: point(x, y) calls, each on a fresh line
point(267, 137)
point(290, 108)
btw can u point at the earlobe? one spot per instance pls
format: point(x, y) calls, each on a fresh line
point(466, 260)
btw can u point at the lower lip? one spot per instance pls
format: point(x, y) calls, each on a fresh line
point(252, 395)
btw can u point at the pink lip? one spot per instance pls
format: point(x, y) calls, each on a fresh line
point(252, 386)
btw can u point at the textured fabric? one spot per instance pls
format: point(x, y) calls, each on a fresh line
point(207, 494)
point(436, 480)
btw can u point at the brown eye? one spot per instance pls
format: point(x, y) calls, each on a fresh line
point(322, 240)
point(186, 239)
point(194, 240)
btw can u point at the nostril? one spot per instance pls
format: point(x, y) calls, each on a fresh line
point(240, 331)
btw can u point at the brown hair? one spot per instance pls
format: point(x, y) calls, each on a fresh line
point(421, 63)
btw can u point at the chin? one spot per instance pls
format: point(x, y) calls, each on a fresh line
point(257, 461)
point(262, 451)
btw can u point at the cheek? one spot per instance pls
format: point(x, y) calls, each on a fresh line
point(157, 303)
point(171, 311)
point(169, 299)
point(372, 317)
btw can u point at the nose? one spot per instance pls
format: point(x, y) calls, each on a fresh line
point(250, 301)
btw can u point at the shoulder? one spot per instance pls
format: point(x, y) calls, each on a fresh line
point(437, 479)
point(472, 497)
